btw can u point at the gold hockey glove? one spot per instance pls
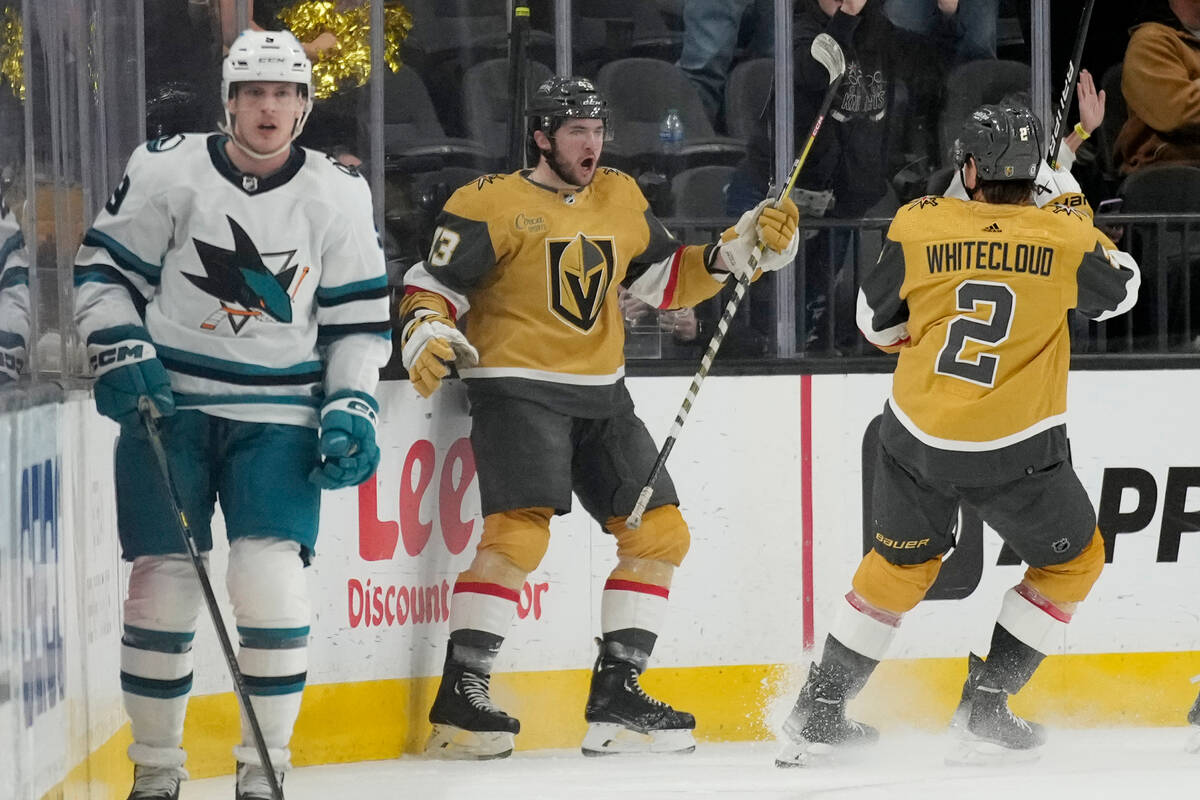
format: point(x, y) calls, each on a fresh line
point(775, 227)
point(429, 344)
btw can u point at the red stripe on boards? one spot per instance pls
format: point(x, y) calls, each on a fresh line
point(807, 625)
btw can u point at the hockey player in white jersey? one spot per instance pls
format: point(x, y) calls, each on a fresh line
point(237, 281)
point(14, 296)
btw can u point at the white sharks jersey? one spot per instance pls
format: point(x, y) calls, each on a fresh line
point(261, 295)
point(14, 295)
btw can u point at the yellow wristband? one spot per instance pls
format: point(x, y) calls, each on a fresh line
point(1080, 132)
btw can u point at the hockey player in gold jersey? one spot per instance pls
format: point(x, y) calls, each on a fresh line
point(974, 296)
point(533, 261)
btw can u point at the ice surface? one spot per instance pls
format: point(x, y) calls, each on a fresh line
point(1122, 764)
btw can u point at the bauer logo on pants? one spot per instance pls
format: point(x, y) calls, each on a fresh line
point(581, 270)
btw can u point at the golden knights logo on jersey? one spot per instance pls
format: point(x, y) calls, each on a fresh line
point(242, 283)
point(580, 271)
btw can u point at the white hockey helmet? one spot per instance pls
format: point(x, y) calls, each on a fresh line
point(267, 56)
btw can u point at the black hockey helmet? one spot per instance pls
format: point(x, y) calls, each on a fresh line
point(561, 98)
point(1005, 141)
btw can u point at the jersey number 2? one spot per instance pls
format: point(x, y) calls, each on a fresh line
point(991, 331)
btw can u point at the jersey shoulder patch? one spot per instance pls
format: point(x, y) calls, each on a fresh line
point(483, 197)
point(619, 187)
point(164, 162)
point(330, 162)
point(164, 144)
point(1069, 210)
point(339, 187)
point(925, 217)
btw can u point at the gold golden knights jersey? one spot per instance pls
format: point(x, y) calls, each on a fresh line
point(538, 270)
point(974, 296)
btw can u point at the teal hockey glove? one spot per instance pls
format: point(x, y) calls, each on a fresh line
point(127, 369)
point(349, 454)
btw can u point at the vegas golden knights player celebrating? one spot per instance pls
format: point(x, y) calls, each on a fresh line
point(974, 296)
point(533, 261)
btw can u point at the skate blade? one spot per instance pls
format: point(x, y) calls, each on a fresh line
point(457, 744)
point(979, 752)
point(1193, 744)
point(804, 754)
point(610, 738)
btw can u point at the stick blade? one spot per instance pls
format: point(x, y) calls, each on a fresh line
point(828, 53)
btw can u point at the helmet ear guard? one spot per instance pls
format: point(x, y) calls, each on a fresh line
point(274, 56)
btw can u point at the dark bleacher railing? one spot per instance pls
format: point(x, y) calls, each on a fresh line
point(1162, 331)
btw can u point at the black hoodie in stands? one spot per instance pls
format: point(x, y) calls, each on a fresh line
point(851, 154)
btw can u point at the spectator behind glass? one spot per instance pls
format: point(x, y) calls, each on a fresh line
point(848, 170)
point(712, 30)
point(1162, 67)
point(973, 21)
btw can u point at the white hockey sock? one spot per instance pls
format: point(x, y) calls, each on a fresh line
point(160, 614)
point(864, 628)
point(269, 592)
point(480, 616)
point(156, 678)
point(274, 665)
point(1032, 618)
point(632, 613)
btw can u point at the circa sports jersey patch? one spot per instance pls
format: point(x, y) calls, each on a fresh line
point(580, 272)
point(533, 223)
point(244, 286)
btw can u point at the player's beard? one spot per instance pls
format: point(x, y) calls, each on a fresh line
point(563, 170)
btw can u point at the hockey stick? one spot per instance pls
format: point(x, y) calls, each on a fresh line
point(828, 53)
point(1068, 91)
point(150, 417)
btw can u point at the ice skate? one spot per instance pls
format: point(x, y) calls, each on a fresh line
point(995, 735)
point(622, 718)
point(156, 783)
point(466, 725)
point(252, 783)
point(818, 726)
point(962, 714)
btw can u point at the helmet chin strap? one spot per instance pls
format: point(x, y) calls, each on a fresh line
point(228, 129)
point(962, 176)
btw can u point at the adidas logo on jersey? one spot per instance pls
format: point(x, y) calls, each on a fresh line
point(993, 228)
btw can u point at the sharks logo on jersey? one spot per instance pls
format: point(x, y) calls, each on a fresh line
point(241, 281)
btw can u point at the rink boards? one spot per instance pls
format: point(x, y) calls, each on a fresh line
point(770, 473)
